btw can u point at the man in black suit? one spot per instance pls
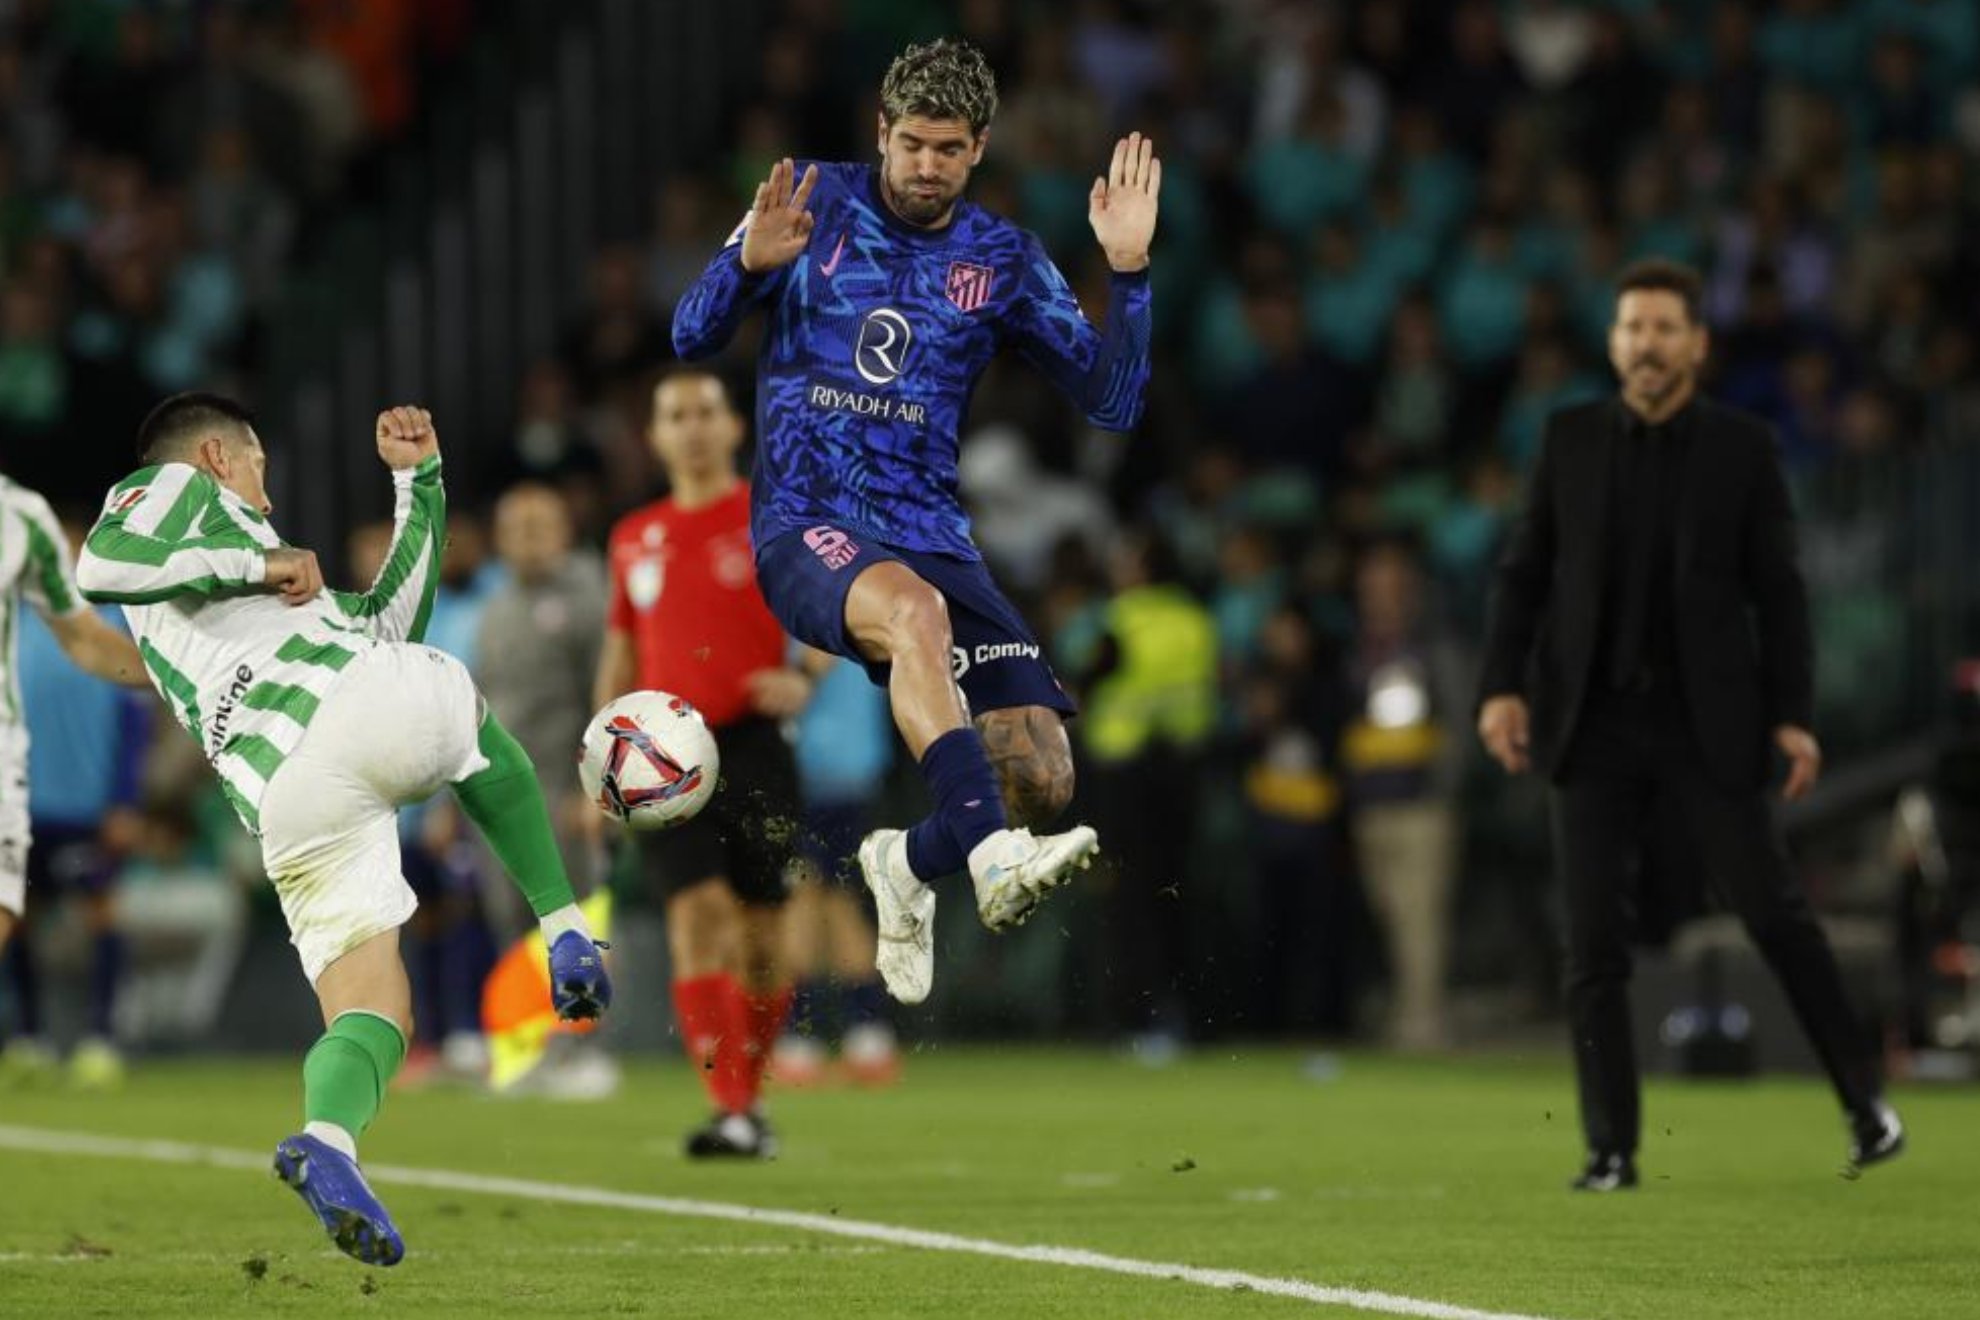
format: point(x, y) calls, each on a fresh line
point(1648, 646)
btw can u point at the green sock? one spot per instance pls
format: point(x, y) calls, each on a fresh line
point(346, 1071)
point(506, 804)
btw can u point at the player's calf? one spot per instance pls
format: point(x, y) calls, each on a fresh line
point(1029, 750)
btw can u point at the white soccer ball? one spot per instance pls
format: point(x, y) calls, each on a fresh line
point(649, 760)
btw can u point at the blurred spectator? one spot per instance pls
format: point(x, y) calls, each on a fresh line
point(238, 211)
point(1737, 80)
point(1483, 300)
point(1549, 41)
point(1549, 379)
point(1291, 412)
point(1348, 301)
point(844, 746)
point(1613, 100)
point(1301, 950)
point(1119, 55)
point(1149, 710)
point(1478, 81)
point(617, 338)
point(1311, 175)
point(319, 88)
point(1300, 61)
point(688, 224)
point(537, 648)
point(1403, 753)
point(1416, 396)
point(1021, 514)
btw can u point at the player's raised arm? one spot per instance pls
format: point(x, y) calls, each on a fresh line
point(49, 585)
point(750, 265)
point(400, 600)
point(158, 537)
point(1104, 371)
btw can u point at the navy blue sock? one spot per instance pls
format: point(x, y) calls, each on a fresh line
point(106, 974)
point(25, 978)
point(808, 1009)
point(968, 808)
point(866, 1002)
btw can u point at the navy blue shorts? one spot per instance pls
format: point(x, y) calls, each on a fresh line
point(69, 857)
point(997, 662)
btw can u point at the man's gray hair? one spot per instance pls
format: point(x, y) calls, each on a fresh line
point(942, 79)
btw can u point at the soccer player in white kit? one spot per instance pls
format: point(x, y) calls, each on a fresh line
point(35, 567)
point(322, 715)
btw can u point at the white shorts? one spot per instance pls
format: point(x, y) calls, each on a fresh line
point(403, 723)
point(14, 835)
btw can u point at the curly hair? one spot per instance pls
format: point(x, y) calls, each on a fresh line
point(942, 79)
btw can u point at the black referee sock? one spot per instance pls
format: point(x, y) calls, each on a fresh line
point(968, 808)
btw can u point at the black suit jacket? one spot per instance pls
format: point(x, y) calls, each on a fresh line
point(1745, 654)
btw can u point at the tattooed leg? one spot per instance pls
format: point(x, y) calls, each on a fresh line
point(1032, 756)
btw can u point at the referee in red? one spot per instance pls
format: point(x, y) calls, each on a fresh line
point(686, 617)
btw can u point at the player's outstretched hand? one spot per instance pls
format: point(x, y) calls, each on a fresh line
point(292, 574)
point(406, 437)
point(778, 227)
point(1122, 206)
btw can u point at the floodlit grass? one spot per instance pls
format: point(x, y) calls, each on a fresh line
point(1440, 1181)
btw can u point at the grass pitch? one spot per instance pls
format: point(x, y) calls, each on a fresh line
point(1439, 1182)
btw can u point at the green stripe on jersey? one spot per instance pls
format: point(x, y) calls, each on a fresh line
point(300, 650)
point(47, 559)
point(261, 755)
point(177, 687)
point(298, 703)
point(196, 496)
point(244, 808)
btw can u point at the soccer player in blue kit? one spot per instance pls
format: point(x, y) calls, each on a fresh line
point(888, 295)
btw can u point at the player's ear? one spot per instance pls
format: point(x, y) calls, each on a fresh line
point(976, 152)
point(880, 132)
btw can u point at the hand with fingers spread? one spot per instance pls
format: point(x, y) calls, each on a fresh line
point(1122, 206)
point(779, 226)
point(406, 437)
point(292, 573)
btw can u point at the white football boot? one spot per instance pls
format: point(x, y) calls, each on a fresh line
point(1014, 870)
point(905, 912)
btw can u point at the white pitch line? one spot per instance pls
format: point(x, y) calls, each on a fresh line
point(54, 1142)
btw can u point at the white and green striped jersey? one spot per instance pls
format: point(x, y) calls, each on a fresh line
point(243, 672)
point(34, 564)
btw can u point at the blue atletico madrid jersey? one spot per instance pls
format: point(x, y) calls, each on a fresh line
point(877, 334)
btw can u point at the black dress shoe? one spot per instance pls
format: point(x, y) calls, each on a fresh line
point(1875, 1135)
point(732, 1136)
point(1607, 1171)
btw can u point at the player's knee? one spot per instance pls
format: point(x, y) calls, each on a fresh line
point(918, 620)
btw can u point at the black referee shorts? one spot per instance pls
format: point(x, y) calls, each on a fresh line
point(748, 832)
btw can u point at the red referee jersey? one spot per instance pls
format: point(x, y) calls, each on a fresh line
point(684, 589)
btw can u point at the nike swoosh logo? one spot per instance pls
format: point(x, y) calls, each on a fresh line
point(832, 265)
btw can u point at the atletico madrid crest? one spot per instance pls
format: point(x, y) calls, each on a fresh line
point(969, 285)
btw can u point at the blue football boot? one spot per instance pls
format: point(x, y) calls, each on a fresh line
point(579, 987)
point(329, 1183)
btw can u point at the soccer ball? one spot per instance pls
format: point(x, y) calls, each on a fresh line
point(649, 760)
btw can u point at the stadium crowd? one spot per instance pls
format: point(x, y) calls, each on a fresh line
point(1385, 255)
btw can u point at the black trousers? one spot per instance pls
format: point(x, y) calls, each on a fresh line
point(1634, 761)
